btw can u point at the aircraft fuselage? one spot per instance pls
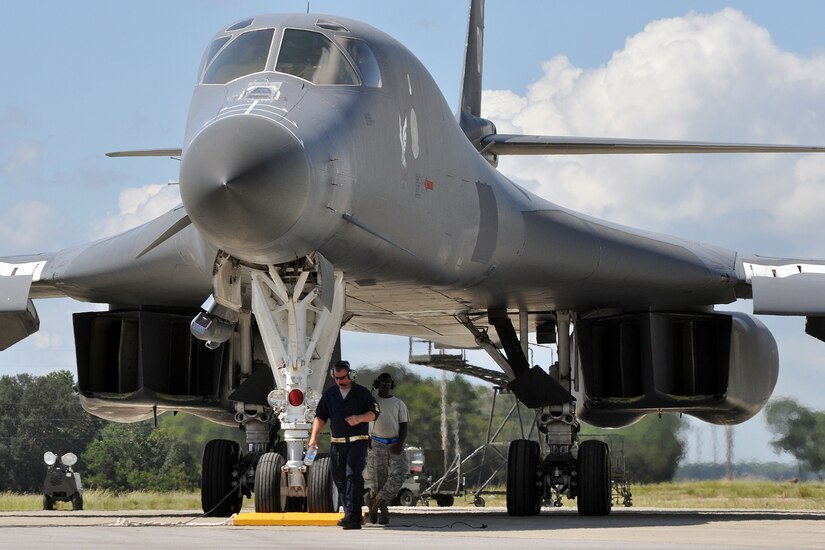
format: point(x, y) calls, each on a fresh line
point(383, 183)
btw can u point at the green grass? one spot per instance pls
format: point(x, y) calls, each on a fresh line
point(732, 494)
point(739, 494)
point(108, 500)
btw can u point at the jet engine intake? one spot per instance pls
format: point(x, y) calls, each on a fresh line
point(718, 367)
point(133, 365)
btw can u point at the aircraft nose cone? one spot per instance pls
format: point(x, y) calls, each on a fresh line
point(244, 181)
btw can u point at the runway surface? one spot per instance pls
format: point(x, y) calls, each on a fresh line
point(430, 528)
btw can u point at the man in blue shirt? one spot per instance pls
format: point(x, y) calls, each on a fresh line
point(349, 407)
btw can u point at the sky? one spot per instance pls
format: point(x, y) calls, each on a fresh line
point(83, 78)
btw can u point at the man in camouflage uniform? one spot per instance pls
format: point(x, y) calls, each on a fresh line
point(387, 462)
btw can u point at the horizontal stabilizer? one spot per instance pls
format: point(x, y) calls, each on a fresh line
point(147, 153)
point(515, 144)
point(18, 317)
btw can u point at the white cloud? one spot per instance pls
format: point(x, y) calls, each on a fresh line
point(139, 205)
point(25, 225)
point(47, 340)
point(699, 77)
point(24, 156)
point(805, 200)
point(715, 77)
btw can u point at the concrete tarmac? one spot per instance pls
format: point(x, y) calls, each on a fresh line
point(431, 528)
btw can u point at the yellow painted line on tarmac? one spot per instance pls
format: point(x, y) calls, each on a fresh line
point(287, 518)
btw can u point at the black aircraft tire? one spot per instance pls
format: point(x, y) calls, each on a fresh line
point(268, 498)
point(594, 494)
point(523, 498)
point(220, 458)
point(322, 495)
point(48, 503)
point(77, 502)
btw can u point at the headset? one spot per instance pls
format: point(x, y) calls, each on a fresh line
point(341, 365)
point(383, 376)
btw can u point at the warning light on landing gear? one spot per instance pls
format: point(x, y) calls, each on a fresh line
point(296, 397)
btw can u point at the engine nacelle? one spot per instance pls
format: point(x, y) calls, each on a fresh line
point(132, 365)
point(718, 367)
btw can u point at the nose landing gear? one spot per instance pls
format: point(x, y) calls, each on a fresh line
point(298, 308)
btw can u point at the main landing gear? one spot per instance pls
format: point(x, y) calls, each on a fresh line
point(298, 308)
point(567, 467)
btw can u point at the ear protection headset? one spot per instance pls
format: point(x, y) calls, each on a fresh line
point(383, 377)
point(341, 365)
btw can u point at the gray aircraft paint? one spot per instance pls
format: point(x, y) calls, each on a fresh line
point(317, 198)
point(388, 188)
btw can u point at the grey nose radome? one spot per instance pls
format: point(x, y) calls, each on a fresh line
point(245, 182)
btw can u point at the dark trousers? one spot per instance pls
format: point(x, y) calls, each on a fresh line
point(347, 463)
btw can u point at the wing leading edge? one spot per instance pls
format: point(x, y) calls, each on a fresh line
point(147, 153)
point(516, 144)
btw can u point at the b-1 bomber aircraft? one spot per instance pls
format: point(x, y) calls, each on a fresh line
point(327, 185)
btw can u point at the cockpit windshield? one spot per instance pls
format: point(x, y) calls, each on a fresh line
point(246, 54)
point(215, 47)
point(364, 60)
point(313, 57)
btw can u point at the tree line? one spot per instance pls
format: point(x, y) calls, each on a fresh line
point(42, 413)
point(799, 431)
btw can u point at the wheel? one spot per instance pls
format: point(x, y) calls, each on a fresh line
point(77, 502)
point(48, 503)
point(270, 484)
point(445, 500)
point(523, 496)
point(406, 498)
point(220, 490)
point(594, 496)
point(479, 502)
point(322, 494)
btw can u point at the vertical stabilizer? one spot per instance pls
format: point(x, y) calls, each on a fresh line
point(469, 106)
point(470, 100)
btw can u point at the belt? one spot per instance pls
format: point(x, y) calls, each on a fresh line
point(349, 439)
point(384, 440)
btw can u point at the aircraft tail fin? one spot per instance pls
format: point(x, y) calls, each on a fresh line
point(469, 106)
point(470, 100)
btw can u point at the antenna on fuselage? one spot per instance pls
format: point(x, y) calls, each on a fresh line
point(469, 102)
point(307, 8)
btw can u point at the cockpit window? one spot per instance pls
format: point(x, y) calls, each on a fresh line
point(364, 60)
point(312, 56)
point(240, 25)
point(246, 54)
point(214, 47)
point(330, 25)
